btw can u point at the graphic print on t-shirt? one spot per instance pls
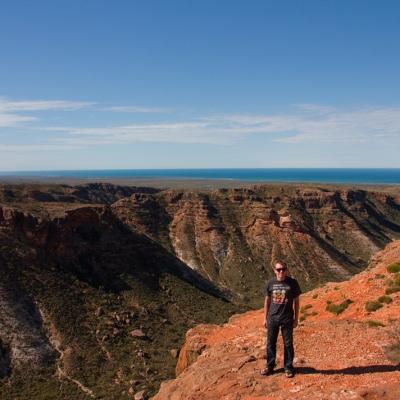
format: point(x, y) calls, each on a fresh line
point(279, 295)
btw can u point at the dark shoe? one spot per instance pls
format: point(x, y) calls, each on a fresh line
point(267, 371)
point(289, 373)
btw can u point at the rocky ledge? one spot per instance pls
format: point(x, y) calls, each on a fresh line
point(347, 346)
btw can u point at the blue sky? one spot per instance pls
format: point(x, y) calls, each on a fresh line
point(191, 84)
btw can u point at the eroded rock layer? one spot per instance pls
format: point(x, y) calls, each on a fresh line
point(232, 236)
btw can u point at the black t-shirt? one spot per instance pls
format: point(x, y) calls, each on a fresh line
point(282, 294)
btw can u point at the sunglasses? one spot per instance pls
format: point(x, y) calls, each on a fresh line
point(280, 269)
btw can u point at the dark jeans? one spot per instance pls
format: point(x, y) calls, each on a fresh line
point(272, 336)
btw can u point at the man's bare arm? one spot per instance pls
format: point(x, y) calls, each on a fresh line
point(267, 302)
point(296, 311)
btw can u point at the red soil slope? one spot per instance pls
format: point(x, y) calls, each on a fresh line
point(337, 356)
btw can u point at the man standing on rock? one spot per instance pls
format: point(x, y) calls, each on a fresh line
point(281, 311)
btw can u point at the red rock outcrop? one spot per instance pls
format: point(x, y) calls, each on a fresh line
point(352, 355)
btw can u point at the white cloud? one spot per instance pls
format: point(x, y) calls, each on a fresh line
point(9, 120)
point(309, 123)
point(6, 148)
point(324, 124)
point(315, 108)
point(180, 132)
point(10, 110)
point(134, 109)
point(41, 105)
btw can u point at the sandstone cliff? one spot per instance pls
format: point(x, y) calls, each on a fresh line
point(90, 308)
point(232, 236)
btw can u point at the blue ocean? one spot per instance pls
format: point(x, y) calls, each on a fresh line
point(313, 175)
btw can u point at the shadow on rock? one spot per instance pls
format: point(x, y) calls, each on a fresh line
point(349, 370)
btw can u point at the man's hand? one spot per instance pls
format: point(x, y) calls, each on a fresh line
point(265, 325)
point(295, 323)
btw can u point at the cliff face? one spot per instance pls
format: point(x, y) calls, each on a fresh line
point(90, 308)
point(91, 193)
point(232, 236)
point(347, 352)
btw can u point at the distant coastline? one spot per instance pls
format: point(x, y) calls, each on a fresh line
point(368, 176)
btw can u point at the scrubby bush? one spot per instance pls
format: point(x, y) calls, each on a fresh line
point(315, 295)
point(373, 305)
point(385, 299)
point(305, 314)
point(393, 284)
point(305, 308)
point(389, 282)
point(338, 308)
point(374, 324)
point(393, 353)
point(392, 289)
point(379, 276)
point(393, 268)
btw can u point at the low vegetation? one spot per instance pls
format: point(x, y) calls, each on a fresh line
point(394, 268)
point(393, 284)
point(392, 289)
point(305, 308)
point(338, 308)
point(373, 305)
point(305, 313)
point(393, 353)
point(375, 324)
point(385, 299)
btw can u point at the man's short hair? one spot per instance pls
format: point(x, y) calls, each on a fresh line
point(279, 262)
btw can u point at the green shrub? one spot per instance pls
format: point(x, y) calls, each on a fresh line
point(336, 288)
point(393, 268)
point(373, 305)
point(374, 324)
point(385, 299)
point(389, 282)
point(338, 308)
point(379, 276)
point(315, 295)
point(393, 284)
point(329, 302)
point(314, 313)
point(392, 289)
point(305, 308)
point(393, 353)
point(303, 318)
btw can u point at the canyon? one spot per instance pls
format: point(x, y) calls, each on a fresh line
point(99, 283)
